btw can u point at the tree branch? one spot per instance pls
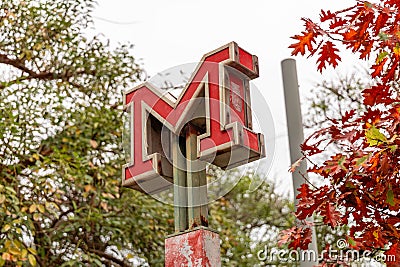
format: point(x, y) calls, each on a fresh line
point(109, 257)
point(19, 64)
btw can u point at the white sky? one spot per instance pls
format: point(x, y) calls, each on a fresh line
point(175, 32)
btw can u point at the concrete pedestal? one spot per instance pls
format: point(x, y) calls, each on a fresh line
point(196, 248)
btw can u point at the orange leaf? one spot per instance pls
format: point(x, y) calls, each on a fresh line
point(93, 143)
point(296, 164)
point(305, 40)
point(89, 188)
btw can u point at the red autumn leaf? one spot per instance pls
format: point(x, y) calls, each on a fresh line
point(350, 35)
point(328, 54)
point(305, 191)
point(330, 215)
point(378, 68)
point(381, 21)
point(365, 22)
point(348, 115)
point(392, 69)
point(310, 26)
point(376, 94)
point(362, 177)
point(297, 237)
point(393, 255)
point(324, 16)
point(305, 40)
point(366, 50)
point(310, 149)
point(310, 200)
point(337, 22)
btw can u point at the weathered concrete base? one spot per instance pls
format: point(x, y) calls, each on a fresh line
point(196, 248)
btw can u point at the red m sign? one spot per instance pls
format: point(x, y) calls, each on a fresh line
point(216, 100)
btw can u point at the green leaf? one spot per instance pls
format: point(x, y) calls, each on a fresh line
point(374, 136)
point(390, 197)
point(351, 241)
point(381, 56)
point(98, 262)
point(361, 160)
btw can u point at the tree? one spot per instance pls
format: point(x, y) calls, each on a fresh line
point(60, 129)
point(249, 221)
point(61, 203)
point(362, 186)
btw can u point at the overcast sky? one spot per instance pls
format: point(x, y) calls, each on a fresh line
point(175, 32)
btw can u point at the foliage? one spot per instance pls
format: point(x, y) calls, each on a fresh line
point(362, 186)
point(61, 203)
point(249, 221)
point(332, 99)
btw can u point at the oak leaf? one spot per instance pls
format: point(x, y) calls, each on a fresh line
point(305, 40)
point(328, 54)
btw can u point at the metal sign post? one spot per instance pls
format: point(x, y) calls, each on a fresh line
point(296, 138)
point(173, 139)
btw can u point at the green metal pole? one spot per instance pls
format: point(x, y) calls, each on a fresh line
point(196, 182)
point(180, 194)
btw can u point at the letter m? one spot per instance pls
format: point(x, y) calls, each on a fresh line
point(216, 100)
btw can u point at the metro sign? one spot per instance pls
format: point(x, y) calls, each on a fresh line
point(216, 100)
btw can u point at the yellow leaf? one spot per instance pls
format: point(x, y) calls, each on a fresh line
point(32, 208)
point(37, 46)
point(376, 234)
point(41, 208)
point(94, 144)
point(6, 227)
point(32, 250)
point(32, 259)
point(396, 50)
point(24, 253)
point(14, 251)
point(7, 243)
point(374, 136)
point(2, 198)
point(36, 217)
